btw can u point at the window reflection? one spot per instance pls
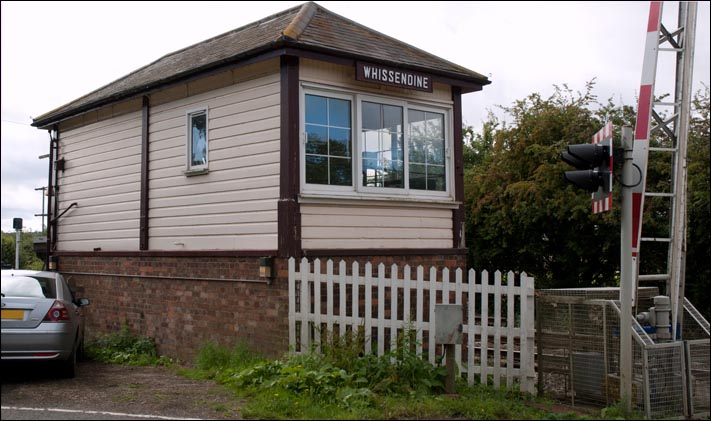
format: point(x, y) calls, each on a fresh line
point(426, 150)
point(198, 139)
point(382, 145)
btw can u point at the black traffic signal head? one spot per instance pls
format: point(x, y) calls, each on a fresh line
point(593, 163)
point(590, 180)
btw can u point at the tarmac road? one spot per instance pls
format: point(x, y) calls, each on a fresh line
point(108, 392)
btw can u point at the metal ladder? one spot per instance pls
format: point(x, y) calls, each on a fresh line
point(675, 128)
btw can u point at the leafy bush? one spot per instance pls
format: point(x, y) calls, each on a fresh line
point(124, 347)
point(341, 375)
point(342, 382)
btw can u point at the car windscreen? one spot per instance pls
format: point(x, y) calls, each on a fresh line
point(28, 286)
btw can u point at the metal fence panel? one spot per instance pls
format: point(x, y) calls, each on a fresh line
point(697, 356)
point(579, 349)
point(665, 389)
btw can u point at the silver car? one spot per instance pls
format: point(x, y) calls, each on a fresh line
point(41, 319)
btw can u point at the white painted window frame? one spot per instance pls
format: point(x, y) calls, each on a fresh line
point(340, 190)
point(190, 169)
point(357, 190)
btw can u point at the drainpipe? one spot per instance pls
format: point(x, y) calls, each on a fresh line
point(56, 185)
point(50, 195)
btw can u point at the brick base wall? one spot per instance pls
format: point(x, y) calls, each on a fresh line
point(152, 296)
point(182, 314)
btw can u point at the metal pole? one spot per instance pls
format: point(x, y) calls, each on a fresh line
point(677, 252)
point(17, 248)
point(626, 269)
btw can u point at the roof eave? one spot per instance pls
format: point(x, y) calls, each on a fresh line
point(276, 48)
point(43, 122)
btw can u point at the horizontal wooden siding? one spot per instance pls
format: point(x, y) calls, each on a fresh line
point(234, 206)
point(102, 175)
point(374, 227)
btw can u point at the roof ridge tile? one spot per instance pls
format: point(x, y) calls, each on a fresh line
point(302, 19)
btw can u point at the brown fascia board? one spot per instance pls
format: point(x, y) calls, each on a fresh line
point(468, 84)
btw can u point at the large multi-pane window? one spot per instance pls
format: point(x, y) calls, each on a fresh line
point(328, 141)
point(400, 147)
point(197, 140)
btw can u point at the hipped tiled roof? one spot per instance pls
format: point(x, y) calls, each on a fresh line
point(307, 27)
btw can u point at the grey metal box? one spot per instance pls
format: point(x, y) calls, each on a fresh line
point(448, 324)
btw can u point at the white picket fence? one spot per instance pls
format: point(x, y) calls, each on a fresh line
point(497, 344)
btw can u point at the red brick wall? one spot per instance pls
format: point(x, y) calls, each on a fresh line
point(182, 314)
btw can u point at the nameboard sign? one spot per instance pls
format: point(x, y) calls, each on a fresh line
point(391, 76)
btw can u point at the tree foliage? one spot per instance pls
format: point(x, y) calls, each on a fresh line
point(698, 266)
point(28, 258)
point(522, 215)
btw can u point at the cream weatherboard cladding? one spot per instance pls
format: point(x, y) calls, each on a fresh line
point(103, 176)
point(234, 206)
point(374, 227)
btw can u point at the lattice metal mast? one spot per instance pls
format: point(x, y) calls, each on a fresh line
point(675, 128)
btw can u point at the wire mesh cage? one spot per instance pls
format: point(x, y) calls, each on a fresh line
point(578, 346)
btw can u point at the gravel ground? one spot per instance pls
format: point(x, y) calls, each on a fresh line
point(117, 388)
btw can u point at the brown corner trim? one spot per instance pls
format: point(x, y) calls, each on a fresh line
point(384, 252)
point(458, 213)
point(289, 214)
point(171, 253)
point(143, 218)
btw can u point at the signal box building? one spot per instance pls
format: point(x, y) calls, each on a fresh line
point(304, 134)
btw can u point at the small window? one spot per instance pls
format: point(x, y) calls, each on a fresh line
point(197, 141)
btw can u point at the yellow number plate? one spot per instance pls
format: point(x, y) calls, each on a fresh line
point(13, 314)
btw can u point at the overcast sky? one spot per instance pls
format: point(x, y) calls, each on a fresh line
point(53, 53)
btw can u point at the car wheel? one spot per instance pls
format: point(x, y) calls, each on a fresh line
point(68, 367)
